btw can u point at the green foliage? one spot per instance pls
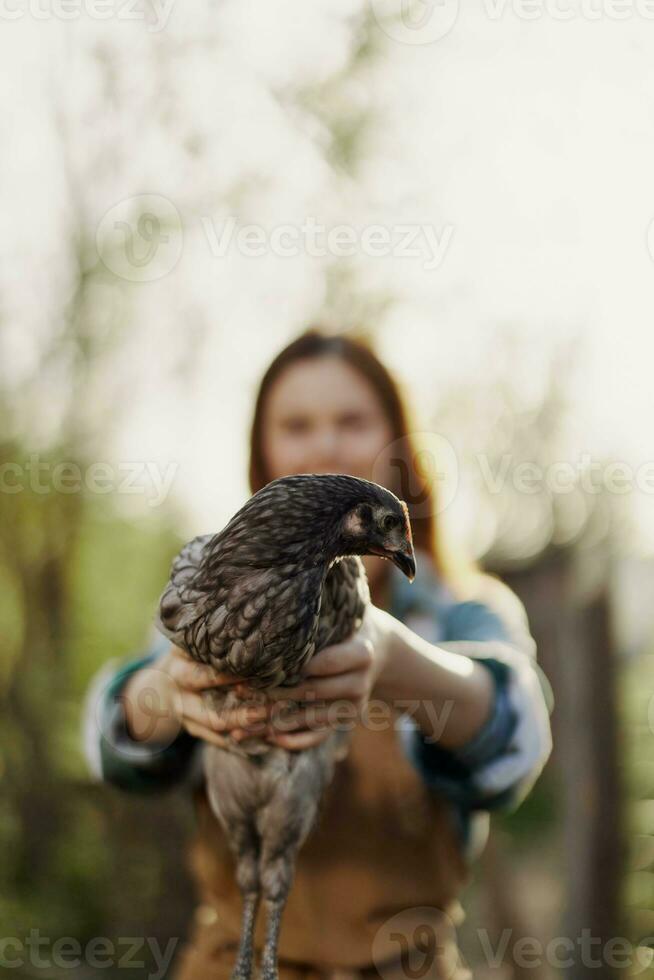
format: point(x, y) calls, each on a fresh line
point(537, 818)
point(638, 759)
point(78, 586)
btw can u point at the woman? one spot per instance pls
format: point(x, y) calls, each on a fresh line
point(448, 716)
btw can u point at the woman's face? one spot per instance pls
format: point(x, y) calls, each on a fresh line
point(322, 416)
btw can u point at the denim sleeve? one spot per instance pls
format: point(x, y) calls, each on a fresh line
point(113, 755)
point(497, 767)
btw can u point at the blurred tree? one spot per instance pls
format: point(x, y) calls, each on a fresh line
point(78, 579)
point(549, 528)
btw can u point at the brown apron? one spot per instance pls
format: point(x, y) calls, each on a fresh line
point(376, 885)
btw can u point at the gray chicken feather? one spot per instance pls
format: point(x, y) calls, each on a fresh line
point(281, 581)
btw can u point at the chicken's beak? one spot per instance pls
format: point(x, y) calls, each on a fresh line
point(405, 561)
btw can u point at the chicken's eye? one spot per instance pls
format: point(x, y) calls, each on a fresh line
point(390, 522)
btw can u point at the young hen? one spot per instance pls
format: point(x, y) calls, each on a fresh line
point(281, 581)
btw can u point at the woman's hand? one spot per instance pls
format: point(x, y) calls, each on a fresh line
point(335, 690)
point(162, 699)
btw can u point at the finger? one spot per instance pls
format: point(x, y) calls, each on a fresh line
point(296, 741)
point(352, 655)
point(314, 717)
point(342, 714)
point(252, 731)
point(351, 686)
point(355, 655)
point(195, 710)
point(199, 731)
point(195, 677)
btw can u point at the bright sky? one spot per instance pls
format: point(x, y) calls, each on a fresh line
point(526, 147)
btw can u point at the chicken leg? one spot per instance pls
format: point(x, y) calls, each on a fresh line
point(245, 844)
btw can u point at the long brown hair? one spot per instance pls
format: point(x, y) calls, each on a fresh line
point(419, 493)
